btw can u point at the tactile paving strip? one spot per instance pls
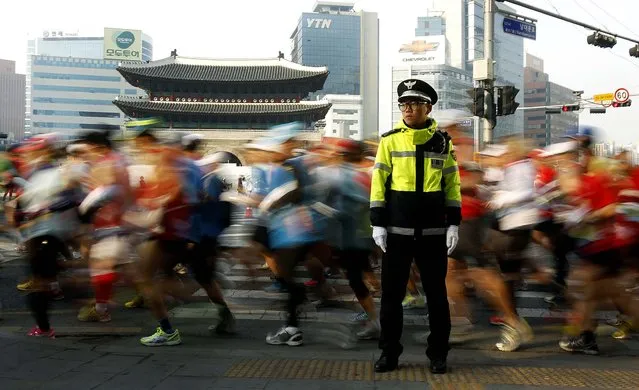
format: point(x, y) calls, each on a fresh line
point(466, 377)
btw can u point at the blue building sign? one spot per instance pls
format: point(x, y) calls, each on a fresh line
point(520, 28)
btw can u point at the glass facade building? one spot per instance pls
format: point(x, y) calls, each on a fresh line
point(346, 41)
point(70, 86)
point(541, 128)
point(430, 25)
point(464, 20)
point(332, 41)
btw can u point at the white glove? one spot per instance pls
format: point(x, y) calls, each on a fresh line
point(379, 235)
point(452, 238)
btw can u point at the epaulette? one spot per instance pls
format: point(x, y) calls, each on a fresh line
point(447, 137)
point(386, 134)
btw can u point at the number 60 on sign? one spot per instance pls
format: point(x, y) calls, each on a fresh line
point(622, 95)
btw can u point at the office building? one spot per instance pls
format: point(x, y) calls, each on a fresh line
point(540, 128)
point(344, 118)
point(425, 58)
point(559, 123)
point(11, 101)
point(72, 80)
point(346, 41)
point(463, 24)
point(430, 25)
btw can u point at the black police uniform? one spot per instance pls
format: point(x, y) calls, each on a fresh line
point(416, 211)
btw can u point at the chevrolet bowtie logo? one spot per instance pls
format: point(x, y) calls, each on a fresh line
point(418, 47)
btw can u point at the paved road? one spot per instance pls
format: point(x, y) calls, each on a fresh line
point(245, 362)
point(109, 355)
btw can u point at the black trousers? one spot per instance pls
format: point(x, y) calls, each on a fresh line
point(562, 245)
point(429, 253)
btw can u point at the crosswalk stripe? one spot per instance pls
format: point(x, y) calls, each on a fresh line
point(255, 313)
point(343, 282)
point(259, 294)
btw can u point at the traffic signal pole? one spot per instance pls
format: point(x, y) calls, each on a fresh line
point(489, 82)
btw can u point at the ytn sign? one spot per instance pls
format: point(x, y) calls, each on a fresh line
point(318, 23)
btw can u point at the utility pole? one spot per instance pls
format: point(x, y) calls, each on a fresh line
point(484, 73)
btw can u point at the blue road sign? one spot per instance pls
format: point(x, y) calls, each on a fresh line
point(520, 28)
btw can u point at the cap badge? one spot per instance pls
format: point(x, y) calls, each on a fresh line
point(410, 84)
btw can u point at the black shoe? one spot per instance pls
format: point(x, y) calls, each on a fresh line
point(438, 366)
point(386, 363)
point(580, 344)
point(559, 299)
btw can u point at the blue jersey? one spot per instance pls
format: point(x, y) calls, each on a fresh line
point(192, 190)
point(347, 192)
point(213, 213)
point(290, 223)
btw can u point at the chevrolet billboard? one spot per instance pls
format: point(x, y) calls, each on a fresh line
point(424, 51)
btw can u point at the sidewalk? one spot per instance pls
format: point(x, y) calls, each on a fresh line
point(110, 357)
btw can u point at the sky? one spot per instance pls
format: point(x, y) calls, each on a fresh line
point(260, 29)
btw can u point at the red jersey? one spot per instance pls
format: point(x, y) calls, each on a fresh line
point(545, 183)
point(597, 192)
point(472, 206)
point(545, 176)
point(627, 212)
point(110, 215)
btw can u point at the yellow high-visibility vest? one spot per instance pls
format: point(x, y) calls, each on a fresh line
point(415, 186)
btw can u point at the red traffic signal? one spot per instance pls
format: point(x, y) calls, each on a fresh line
point(570, 107)
point(624, 104)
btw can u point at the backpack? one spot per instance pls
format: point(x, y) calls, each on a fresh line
point(212, 187)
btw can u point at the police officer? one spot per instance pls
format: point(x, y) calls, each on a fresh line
point(415, 214)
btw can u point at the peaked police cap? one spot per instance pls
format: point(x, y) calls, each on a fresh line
point(415, 89)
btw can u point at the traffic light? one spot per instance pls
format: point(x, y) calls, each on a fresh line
point(597, 110)
point(507, 104)
point(602, 40)
point(483, 104)
point(634, 51)
point(476, 107)
point(490, 109)
point(570, 107)
point(553, 110)
point(627, 103)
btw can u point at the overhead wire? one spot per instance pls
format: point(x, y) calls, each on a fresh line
point(591, 15)
point(628, 60)
point(619, 22)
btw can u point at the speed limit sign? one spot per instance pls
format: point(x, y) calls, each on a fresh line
point(622, 95)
